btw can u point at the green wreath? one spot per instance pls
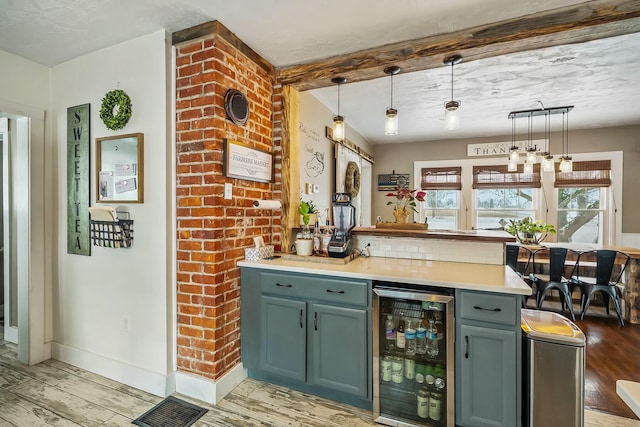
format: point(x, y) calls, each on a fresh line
point(116, 98)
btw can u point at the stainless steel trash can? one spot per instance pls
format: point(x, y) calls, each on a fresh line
point(553, 370)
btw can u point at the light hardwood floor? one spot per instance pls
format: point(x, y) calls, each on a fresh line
point(54, 393)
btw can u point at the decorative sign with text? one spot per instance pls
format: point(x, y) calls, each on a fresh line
point(502, 148)
point(78, 180)
point(242, 161)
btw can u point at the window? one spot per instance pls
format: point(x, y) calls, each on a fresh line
point(502, 195)
point(442, 209)
point(581, 202)
point(580, 213)
point(442, 186)
point(490, 193)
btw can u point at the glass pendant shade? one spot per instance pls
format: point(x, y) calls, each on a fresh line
point(391, 122)
point(512, 166)
point(451, 116)
point(566, 164)
point(528, 167)
point(531, 156)
point(514, 155)
point(547, 163)
point(338, 127)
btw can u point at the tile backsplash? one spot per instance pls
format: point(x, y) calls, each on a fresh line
point(432, 249)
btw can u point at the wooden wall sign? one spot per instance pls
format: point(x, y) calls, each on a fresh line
point(78, 185)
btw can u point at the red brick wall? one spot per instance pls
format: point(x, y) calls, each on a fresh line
point(212, 232)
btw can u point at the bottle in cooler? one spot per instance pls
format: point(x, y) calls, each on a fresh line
point(390, 332)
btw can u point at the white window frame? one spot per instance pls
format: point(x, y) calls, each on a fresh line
point(545, 197)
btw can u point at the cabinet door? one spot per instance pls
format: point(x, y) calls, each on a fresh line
point(487, 377)
point(339, 348)
point(283, 337)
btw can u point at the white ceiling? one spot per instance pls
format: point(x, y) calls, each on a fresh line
point(601, 78)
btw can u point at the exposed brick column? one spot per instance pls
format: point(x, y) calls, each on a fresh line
point(212, 232)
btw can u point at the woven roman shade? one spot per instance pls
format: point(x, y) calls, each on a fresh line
point(498, 176)
point(596, 173)
point(449, 178)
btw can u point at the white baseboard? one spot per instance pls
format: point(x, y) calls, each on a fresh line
point(200, 388)
point(11, 334)
point(208, 390)
point(134, 376)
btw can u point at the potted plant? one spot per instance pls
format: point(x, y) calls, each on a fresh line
point(307, 210)
point(529, 231)
point(405, 202)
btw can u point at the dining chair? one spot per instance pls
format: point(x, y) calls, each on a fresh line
point(514, 254)
point(556, 277)
point(610, 265)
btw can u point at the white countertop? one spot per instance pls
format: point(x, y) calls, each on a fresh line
point(461, 275)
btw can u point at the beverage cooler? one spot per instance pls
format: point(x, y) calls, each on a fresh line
point(413, 355)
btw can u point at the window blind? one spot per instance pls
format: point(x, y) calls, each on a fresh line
point(449, 178)
point(596, 173)
point(498, 176)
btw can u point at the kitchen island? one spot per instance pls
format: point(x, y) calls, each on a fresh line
point(297, 316)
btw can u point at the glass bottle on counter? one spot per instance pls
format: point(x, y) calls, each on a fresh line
point(317, 238)
point(326, 238)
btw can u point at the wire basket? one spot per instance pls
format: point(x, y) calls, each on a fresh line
point(112, 234)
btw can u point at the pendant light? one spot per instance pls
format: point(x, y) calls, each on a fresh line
point(532, 150)
point(547, 158)
point(451, 116)
point(391, 121)
point(530, 159)
point(514, 153)
point(566, 163)
point(338, 120)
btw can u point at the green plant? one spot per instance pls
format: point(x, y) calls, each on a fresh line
point(305, 209)
point(528, 230)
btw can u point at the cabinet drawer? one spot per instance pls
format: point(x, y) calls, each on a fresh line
point(489, 307)
point(344, 291)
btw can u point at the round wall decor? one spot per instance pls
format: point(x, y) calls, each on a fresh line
point(236, 107)
point(115, 111)
point(352, 180)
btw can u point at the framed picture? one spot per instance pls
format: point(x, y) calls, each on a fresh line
point(390, 182)
point(244, 162)
point(120, 168)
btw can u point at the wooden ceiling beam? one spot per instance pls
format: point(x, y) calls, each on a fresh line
point(568, 25)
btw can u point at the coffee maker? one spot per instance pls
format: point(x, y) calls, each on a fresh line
point(344, 219)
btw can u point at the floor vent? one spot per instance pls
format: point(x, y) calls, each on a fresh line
point(171, 412)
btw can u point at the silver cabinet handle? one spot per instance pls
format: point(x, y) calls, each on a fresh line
point(334, 292)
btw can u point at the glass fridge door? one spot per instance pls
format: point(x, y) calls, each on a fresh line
point(413, 358)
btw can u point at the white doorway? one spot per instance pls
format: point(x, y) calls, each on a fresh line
point(23, 232)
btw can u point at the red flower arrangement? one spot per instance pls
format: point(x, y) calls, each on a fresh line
point(406, 199)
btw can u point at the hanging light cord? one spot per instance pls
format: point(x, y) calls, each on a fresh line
point(391, 91)
point(452, 80)
point(338, 98)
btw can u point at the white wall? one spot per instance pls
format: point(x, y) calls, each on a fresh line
point(92, 295)
point(316, 148)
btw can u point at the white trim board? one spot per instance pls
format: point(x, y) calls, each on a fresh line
point(629, 392)
point(134, 376)
point(208, 390)
point(155, 383)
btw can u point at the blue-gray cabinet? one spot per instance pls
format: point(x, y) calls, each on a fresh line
point(308, 332)
point(488, 351)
